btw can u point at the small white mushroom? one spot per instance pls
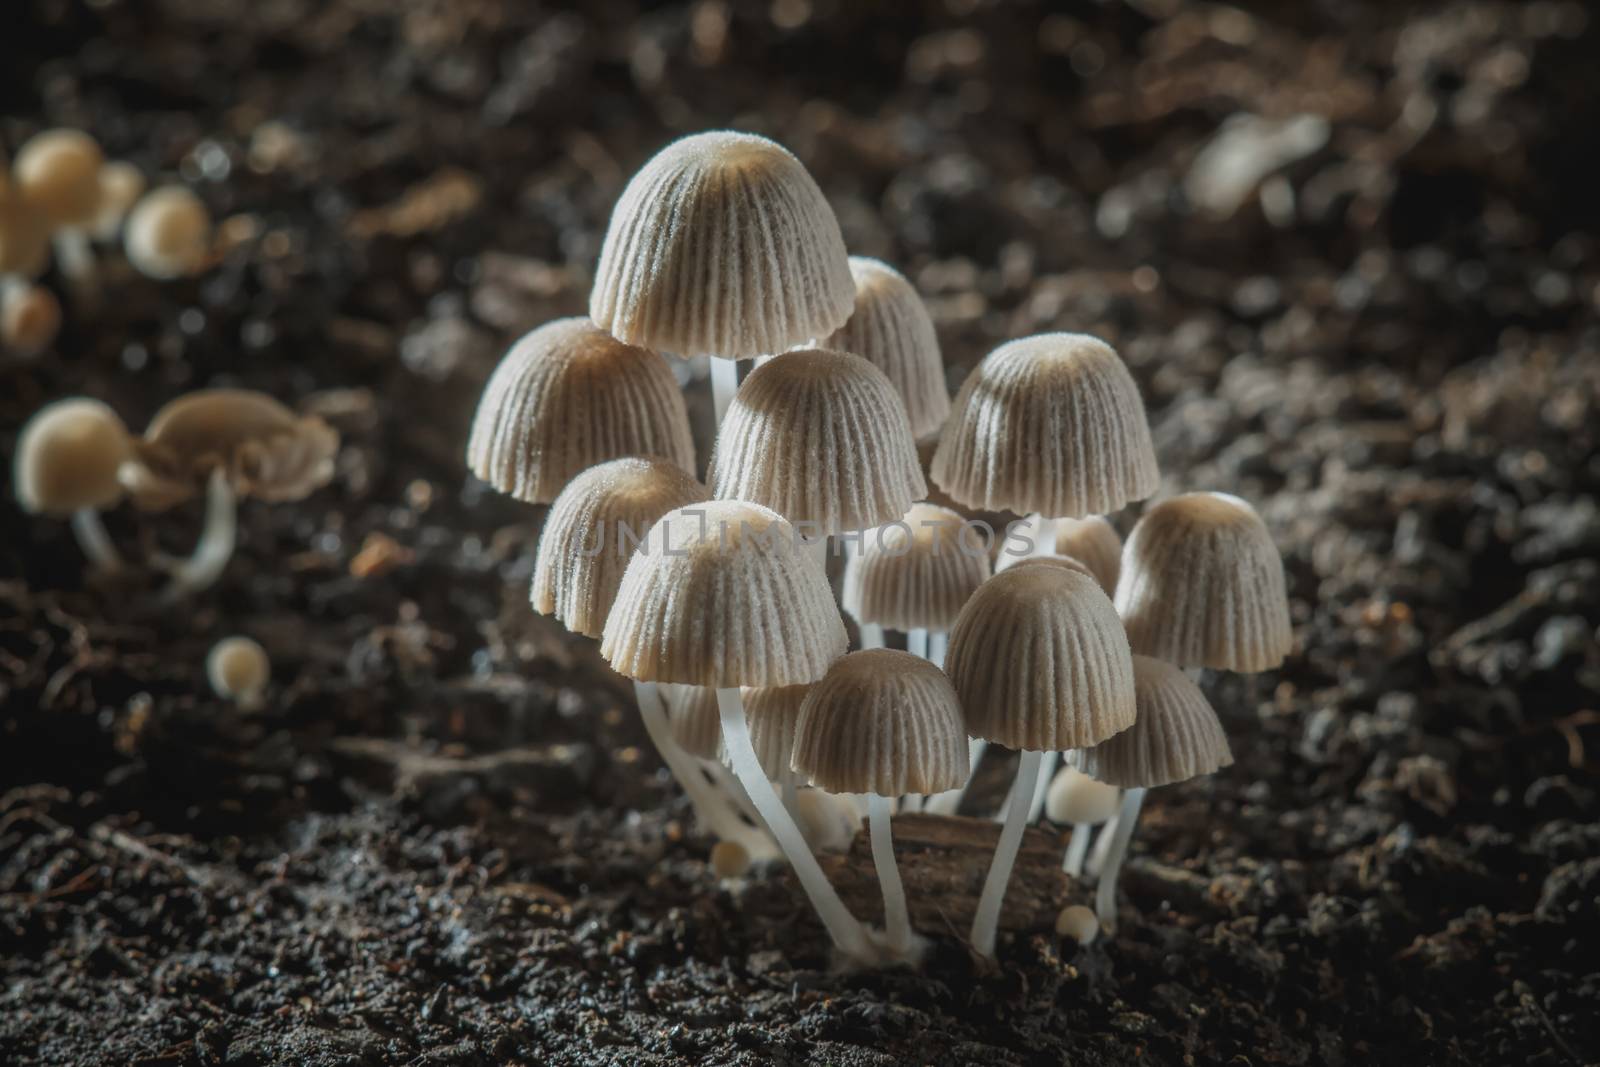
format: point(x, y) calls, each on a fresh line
point(168, 234)
point(68, 455)
point(239, 670)
point(1078, 923)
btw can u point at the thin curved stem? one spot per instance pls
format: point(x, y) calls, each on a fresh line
point(1102, 845)
point(786, 780)
point(896, 920)
point(1041, 788)
point(949, 802)
point(723, 781)
point(714, 811)
point(986, 921)
point(215, 547)
point(1105, 894)
point(95, 541)
point(1077, 849)
point(724, 383)
point(844, 928)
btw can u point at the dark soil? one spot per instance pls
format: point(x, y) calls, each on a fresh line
point(445, 839)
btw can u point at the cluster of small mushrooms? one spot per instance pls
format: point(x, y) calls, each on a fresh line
point(61, 197)
point(1049, 636)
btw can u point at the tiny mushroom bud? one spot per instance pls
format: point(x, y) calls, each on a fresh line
point(30, 317)
point(239, 670)
point(828, 822)
point(1078, 923)
point(729, 860)
point(121, 185)
point(891, 329)
point(57, 172)
point(566, 397)
point(227, 443)
point(168, 234)
point(68, 456)
point(1202, 586)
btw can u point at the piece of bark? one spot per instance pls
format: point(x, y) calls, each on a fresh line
point(943, 860)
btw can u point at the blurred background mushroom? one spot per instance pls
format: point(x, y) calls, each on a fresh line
point(239, 670)
point(68, 457)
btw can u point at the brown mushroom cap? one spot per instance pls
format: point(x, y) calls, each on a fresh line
point(884, 722)
point(772, 713)
point(568, 396)
point(1203, 586)
point(1041, 661)
point(722, 245)
point(266, 450)
point(1052, 424)
point(168, 233)
point(67, 458)
point(30, 318)
point(1095, 543)
point(57, 172)
point(1008, 562)
point(1175, 737)
point(696, 723)
point(915, 573)
point(721, 594)
point(591, 531)
point(891, 329)
point(820, 437)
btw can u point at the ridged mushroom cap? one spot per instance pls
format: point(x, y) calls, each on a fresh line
point(821, 438)
point(1202, 586)
point(916, 572)
point(722, 594)
point(1041, 661)
point(891, 329)
point(1175, 737)
point(884, 722)
point(568, 396)
point(695, 720)
point(1094, 542)
point(772, 713)
point(592, 530)
point(57, 173)
point(722, 245)
point(1051, 423)
point(68, 455)
point(266, 450)
point(1008, 562)
point(1076, 798)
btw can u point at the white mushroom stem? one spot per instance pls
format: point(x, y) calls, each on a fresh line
point(949, 802)
point(938, 643)
point(714, 810)
point(95, 541)
point(986, 921)
point(1041, 789)
point(215, 547)
point(1102, 845)
point(917, 643)
point(723, 780)
point(1077, 849)
point(845, 929)
point(75, 257)
point(896, 920)
point(724, 383)
point(1105, 895)
point(790, 790)
point(871, 635)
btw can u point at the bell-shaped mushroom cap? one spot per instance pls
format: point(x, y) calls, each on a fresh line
point(696, 723)
point(1041, 661)
point(168, 234)
point(891, 329)
point(722, 245)
point(772, 713)
point(57, 172)
point(916, 572)
point(68, 454)
point(568, 396)
point(722, 594)
point(591, 532)
point(1202, 586)
point(266, 450)
point(1092, 541)
point(1051, 423)
point(1074, 797)
point(884, 722)
point(1008, 562)
point(1175, 737)
point(820, 437)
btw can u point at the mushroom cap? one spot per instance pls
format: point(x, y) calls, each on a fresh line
point(237, 667)
point(1041, 661)
point(58, 173)
point(266, 450)
point(695, 720)
point(1076, 798)
point(1094, 542)
point(30, 318)
point(67, 458)
point(168, 233)
point(772, 713)
point(568, 396)
point(1008, 562)
point(1051, 423)
point(821, 438)
point(722, 245)
point(121, 185)
point(1175, 737)
point(884, 722)
point(592, 530)
point(1202, 586)
point(891, 329)
point(721, 594)
point(916, 572)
